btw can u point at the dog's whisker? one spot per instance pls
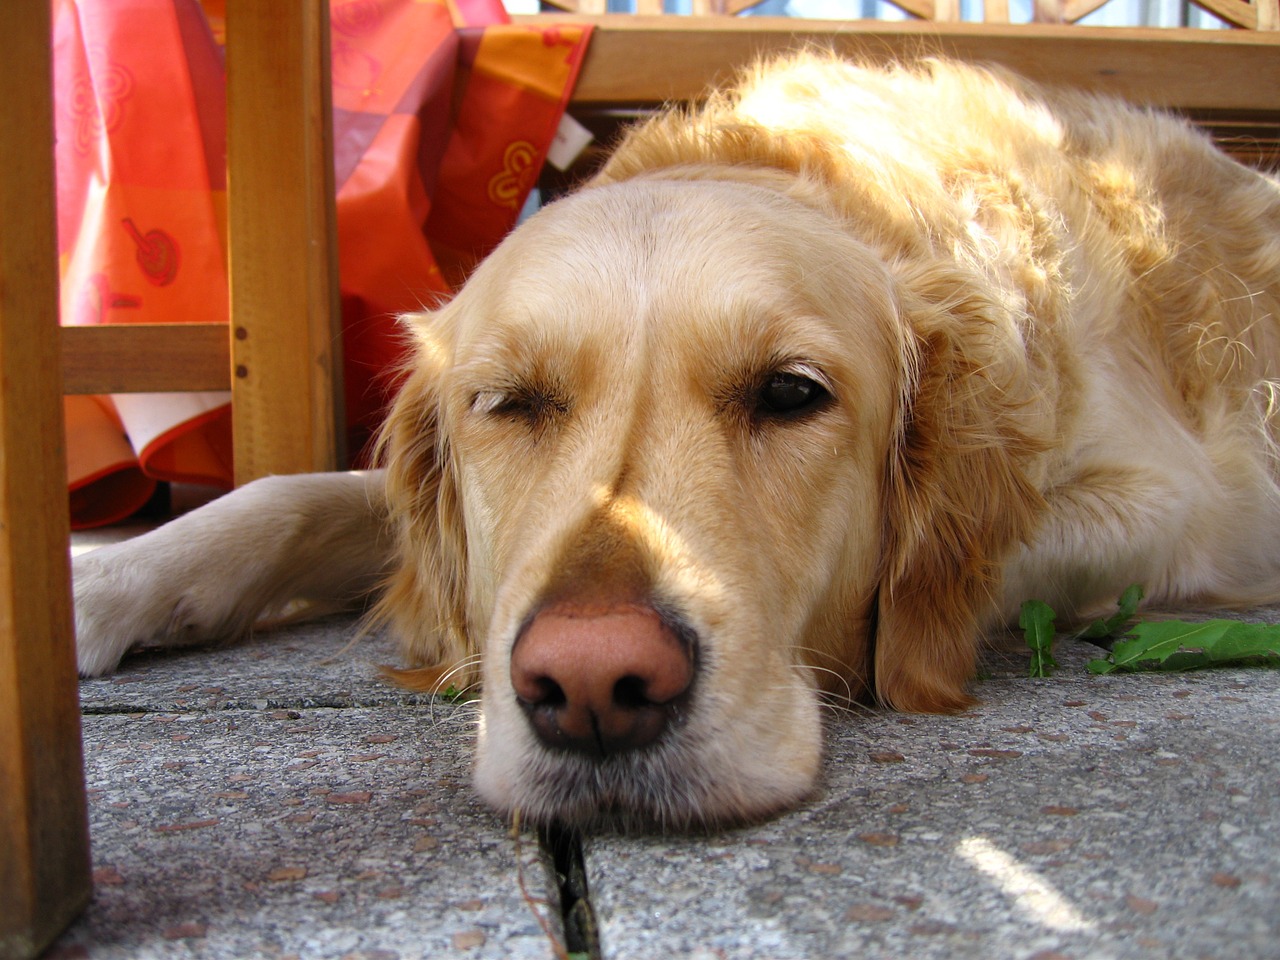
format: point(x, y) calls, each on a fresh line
point(443, 689)
point(816, 653)
point(841, 707)
point(840, 677)
point(464, 719)
point(848, 684)
point(463, 667)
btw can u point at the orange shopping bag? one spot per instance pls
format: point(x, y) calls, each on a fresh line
point(140, 231)
point(439, 135)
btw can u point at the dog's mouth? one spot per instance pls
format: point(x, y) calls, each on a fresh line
point(611, 708)
point(660, 789)
point(697, 775)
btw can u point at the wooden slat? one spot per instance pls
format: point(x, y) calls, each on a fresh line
point(924, 9)
point(286, 345)
point(44, 842)
point(995, 11)
point(1251, 139)
point(654, 59)
point(1233, 11)
point(1047, 11)
point(946, 11)
point(1074, 10)
point(146, 358)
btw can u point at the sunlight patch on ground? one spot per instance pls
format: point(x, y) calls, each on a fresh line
point(1021, 884)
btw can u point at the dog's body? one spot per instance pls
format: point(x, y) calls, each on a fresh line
point(805, 391)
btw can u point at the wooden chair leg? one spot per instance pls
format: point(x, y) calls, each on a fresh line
point(286, 339)
point(44, 837)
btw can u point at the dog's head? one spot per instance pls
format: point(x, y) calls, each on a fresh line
point(684, 455)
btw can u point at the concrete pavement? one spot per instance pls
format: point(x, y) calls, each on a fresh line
point(277, 799)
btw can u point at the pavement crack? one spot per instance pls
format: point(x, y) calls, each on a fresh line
point(564, 852)
point(219, 704)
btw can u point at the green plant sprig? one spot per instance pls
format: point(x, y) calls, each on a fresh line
point(1153, 645)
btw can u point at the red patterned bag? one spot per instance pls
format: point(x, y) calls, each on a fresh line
point(423, 192)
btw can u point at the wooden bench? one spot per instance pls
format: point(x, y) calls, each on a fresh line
point(276, 355)
point(1228, 81)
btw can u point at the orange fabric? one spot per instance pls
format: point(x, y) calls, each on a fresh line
point(405, 154)
point(477, 13)
point(490, 164)
point(439, 135)
point(141, 218)
point(100, 459)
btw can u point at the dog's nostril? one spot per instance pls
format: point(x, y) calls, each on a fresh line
point(547, 693)
point(631, 693)
point(600, 681)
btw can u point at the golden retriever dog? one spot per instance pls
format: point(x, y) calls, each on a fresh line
point(803, 393)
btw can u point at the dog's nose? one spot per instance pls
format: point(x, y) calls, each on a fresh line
point(600, 679)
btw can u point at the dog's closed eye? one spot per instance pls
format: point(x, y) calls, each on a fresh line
point(533, 404)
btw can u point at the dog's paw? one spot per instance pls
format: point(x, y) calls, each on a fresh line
point(126, 599)
point(99, 645)
point(209, 575)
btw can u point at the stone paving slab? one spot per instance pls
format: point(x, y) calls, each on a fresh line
point(278, 799)
point(325, 663)
point(1074, 817)
point(334, 833)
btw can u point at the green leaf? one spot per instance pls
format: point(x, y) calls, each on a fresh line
point(1114, 625)
point(1160, 639)
point(1155, 645)
point(1246, 641)
point(1036, 620)
point(1178, 645)
point(452, 694)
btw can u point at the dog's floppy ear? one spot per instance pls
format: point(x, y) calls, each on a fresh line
point(957, 493)
point(426, 596)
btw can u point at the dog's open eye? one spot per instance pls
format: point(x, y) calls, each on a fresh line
point(789, 395)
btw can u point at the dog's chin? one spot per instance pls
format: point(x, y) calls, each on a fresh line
point(683, 783)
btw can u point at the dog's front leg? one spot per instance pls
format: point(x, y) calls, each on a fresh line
point(210, 574)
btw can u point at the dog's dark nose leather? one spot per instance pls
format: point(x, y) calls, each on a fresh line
point(600, 678)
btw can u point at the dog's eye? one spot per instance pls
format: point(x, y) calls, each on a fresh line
point(529, 404)
point(789, 395)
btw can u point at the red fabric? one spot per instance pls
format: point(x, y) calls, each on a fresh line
point(439, 135)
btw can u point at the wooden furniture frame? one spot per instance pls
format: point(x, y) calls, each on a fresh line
point(1228, 81)
point(44, 862)
point(1249, 14)
point(279, 354)
point(282, 361)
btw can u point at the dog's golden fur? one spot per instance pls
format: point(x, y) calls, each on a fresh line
point(1044, 332)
